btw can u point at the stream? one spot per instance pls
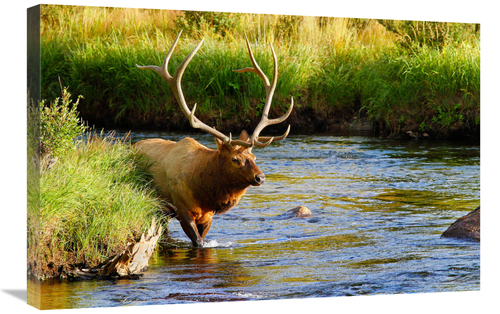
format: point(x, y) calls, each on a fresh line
point(379, 207)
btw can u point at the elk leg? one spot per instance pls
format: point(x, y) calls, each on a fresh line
point(191, 230)
point(203, 229)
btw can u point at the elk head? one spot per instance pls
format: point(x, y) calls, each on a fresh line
point(239, 162)
point(238, 151)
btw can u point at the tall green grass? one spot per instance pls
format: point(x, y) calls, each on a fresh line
point(91, 203)
point(33, 178)
point(417, 89)
point(88, 194)
point(86, 197)
point(334, 67)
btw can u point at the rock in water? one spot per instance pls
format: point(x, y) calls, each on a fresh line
point(466, 227)
point(301, 212)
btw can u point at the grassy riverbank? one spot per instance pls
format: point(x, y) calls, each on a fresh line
point(85, 200)
point(337, 69)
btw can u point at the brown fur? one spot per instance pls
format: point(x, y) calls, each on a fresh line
point(200, 182)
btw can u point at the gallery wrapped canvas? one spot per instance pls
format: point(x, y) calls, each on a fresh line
point(169, 153)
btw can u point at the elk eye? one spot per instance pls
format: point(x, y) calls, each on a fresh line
point(235, 160)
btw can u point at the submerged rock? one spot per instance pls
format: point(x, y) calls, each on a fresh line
point(466, 227)
point(416, 135)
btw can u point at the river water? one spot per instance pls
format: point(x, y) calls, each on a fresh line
point(379, 207)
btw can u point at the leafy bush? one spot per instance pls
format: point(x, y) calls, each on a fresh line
point(60, 125)
point(447, 117)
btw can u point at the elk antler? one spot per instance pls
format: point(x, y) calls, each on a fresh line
point(265, 121)
point(175, 85)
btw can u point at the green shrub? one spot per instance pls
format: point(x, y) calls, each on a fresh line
point(60, 126)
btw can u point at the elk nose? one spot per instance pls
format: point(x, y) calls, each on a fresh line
point(260, 178)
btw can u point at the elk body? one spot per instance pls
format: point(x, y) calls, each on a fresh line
point(197, 182)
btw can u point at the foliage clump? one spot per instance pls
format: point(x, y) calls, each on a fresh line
point(60, 126)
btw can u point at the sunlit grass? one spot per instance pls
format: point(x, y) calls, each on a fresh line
point(335, 66)
point(91, 203)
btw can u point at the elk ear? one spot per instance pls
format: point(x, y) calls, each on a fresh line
point(244, 136)
point(220, 144)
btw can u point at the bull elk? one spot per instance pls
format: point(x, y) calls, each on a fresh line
point(197, 182)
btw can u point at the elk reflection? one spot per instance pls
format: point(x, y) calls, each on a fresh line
point(214, 266)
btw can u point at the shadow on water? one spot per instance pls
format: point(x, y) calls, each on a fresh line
point(379, 208)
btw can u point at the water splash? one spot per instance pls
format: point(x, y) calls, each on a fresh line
point(216, 244)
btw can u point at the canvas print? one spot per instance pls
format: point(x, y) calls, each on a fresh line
point(196, 156)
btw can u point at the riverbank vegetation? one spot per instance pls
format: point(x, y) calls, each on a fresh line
point(397, 75)
point(87, 194)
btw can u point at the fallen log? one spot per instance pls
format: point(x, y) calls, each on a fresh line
point(130, 263)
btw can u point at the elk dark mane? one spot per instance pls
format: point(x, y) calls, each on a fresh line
point(223, 191)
